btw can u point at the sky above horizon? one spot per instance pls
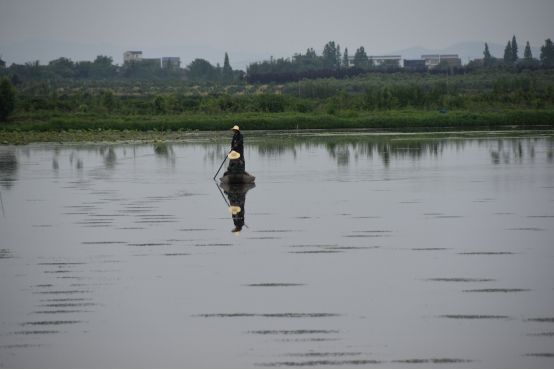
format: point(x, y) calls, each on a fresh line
point(281, 28)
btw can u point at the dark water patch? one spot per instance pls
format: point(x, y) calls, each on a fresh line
point(323, 354)
point(433, 361)
point(303, 217)
point(318, 363)
point(51, 323)
point(148, 244)
point(63, 305)
point(317, 252)
point(543, 334)
point(103, 243)
point(44, 285)
point(446, 216)
point(525, 229)
point(544, 354)
point(429, 249)
point(486, 253)
point(433, 214)
point(214, 245)
point(313, 245)
point(461, 280)
point(274, 285)
point(176, 254)
point(542, 216)
point(65, 300)
point(6, 254)
point(292, 332)
point(35, 332)
point(364, 236)
point(352, 248)
point(496, 290)
point(542, 319)
point(15, 346)
point(475, 317)
point(308, 340)
point(57, 312)
point(60, 263)
point(68, 292)
point(131, 228)
point(290, 315)
point(58, 271)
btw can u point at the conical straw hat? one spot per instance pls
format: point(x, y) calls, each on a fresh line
point(234, 155)
point(235, 127)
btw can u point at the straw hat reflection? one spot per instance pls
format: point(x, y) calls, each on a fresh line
point(234, 210)
point(233, 155)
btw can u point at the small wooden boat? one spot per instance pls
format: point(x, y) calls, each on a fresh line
point(237, 178)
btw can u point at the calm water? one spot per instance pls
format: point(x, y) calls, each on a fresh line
point(358, 250)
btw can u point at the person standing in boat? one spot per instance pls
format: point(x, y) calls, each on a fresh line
point(237, 143)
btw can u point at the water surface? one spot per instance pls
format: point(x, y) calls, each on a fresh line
point(357, 250)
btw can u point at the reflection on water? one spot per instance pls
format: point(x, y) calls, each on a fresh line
point(236, 195)
point(359, 250)
point(8, 167)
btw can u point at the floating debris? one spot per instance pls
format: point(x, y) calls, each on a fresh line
point(496, 290)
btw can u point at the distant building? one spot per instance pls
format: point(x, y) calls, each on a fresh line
point(132, 56)
point(415, 64)
point(433, 60)
point(171, 62)
point(385, 60)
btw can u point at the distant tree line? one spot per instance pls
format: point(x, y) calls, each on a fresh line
point(511, 56)
point(333, 63)
point(103, 68)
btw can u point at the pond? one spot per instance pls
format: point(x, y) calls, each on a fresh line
point(357, 250)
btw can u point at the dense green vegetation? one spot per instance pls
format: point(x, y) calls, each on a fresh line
point(62, 97)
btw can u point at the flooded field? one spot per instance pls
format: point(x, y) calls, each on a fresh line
point(357, 250)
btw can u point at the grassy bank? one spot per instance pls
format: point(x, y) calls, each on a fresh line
point(81, 127)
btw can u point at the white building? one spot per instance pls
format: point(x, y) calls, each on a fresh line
point(379, 60)
point(132, 56)
point(433, 60)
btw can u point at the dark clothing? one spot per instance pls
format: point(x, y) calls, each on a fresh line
point(237, 144)
point(236, 167)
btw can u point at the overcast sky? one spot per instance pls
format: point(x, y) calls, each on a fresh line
point(280, 27)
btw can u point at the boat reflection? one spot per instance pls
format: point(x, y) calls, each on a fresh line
point(236, 199)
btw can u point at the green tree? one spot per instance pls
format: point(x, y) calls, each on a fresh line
point(7, 99)
point(227, 72)
point(487, 57)
point(201, 70)
point(508, 53)
point(547, 53)
point(345, 61)
point(514, 49)
point(360, 58)
point(330, 53)
point(2, 63)
point(527, 53)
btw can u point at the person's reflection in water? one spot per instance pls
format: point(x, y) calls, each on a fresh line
point(237, 199)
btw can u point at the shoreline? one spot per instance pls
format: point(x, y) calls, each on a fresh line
point(78, 128)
